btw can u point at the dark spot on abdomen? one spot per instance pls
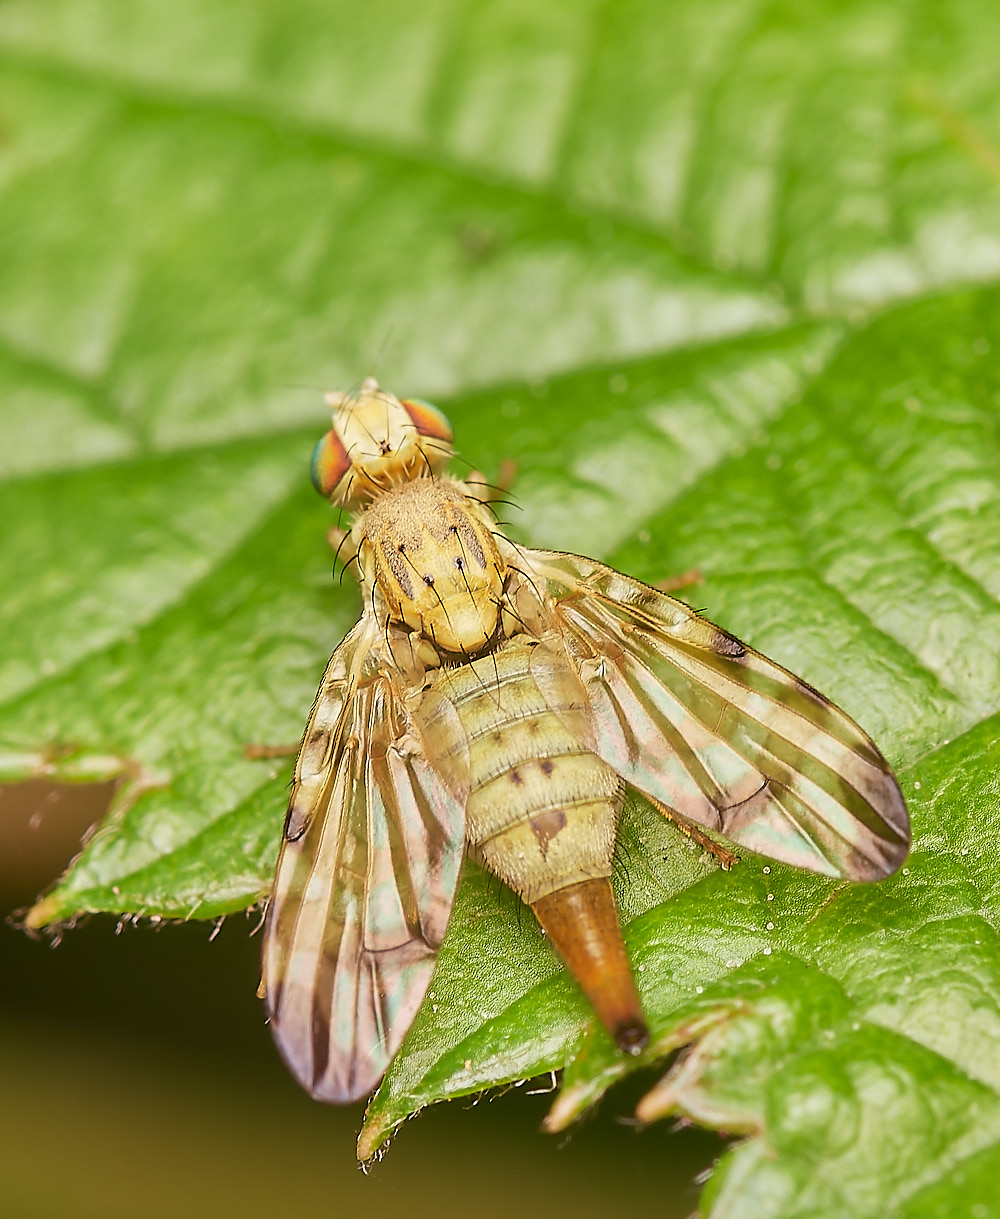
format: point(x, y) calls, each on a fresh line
point(548, 766)
point(545, 827)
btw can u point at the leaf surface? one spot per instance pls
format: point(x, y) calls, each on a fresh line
point(723, 283)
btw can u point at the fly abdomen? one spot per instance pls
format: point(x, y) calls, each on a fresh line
point(542, 812)
point(543, 808)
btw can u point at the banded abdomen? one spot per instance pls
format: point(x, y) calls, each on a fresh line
point(543, 808)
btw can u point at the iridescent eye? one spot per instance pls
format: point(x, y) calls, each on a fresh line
point(428, 420)
point(330, 463)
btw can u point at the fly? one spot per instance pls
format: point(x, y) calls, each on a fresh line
point(499, 700)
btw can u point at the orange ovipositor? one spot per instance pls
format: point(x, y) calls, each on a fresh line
point(582, 922)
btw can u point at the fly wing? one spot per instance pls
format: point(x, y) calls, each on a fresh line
point(368, 868)
point(727, 738)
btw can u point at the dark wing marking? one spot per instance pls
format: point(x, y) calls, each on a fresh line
point(365, 880)
point(726, 737)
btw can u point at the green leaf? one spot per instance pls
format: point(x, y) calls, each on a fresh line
point(723, 282)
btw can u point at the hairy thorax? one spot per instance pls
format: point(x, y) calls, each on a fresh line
point(429, 550)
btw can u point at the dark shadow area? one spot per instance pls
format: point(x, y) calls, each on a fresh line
point(138, 1078)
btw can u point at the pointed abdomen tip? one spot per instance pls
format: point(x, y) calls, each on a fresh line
point(632, 1038)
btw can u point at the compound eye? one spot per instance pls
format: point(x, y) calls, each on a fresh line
point(330, 463)
point(428, 420)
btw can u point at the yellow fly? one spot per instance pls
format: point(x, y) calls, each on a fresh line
point(499, 699)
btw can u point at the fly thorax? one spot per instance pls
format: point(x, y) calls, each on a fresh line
point(430, 551)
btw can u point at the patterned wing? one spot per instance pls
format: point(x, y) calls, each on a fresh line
point(365, 880)
point(727, 738)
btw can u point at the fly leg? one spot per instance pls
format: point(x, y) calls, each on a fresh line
point(255, 752)
point(726, 858)
point(684, 580)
